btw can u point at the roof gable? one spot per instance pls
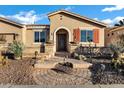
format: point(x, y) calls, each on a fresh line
point(78, 16)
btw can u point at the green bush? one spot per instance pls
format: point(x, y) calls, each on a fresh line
point(17, 48)
point(117, 62)
point(82, 57)
point(79, 57)
point(76, 55)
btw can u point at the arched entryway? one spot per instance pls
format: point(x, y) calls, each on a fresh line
point(59, 32)
point(62, 40)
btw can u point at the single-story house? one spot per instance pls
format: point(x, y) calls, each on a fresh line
point(65, 32)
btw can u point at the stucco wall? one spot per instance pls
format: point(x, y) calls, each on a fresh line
point(72, 23)
point(30, 45)
point(112, 36)
point(30, 38)
point(8, 28)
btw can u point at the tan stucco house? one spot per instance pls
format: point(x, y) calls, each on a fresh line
point(65, 32)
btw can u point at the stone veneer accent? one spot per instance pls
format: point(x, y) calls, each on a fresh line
point(72, 48)
point(49, 49)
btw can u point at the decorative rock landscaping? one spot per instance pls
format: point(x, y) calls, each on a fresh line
point(51, 77)
point(17, 72)
point(21, 72)
point(59, 71)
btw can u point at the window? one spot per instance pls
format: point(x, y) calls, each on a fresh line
point(83, 36)
point(36, 37)
point(86, 35)
point(90, 36)
point(40, 36)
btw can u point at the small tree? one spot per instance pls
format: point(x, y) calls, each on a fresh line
point(17, 48)
point(118, 48)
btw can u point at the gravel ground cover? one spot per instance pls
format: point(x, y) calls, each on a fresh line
point(17, 72)
point(20, 72)
point(50, 77)
point(108, 76)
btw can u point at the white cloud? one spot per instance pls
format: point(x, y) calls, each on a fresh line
point(107, 21)
point(114, 8)
point(96, 19)
point(30, 17)
point(69, 8)
point(111, 22)
point(26, 17)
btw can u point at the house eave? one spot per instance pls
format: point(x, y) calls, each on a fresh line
point(11, 22)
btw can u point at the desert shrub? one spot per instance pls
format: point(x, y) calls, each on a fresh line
point(118, 63)
point(82, 57)
point(118, 48)
point(3, 60)
point(17, 48)
point(75, 55)
point(36, 54)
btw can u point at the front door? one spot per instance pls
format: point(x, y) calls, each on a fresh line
point(62, 44)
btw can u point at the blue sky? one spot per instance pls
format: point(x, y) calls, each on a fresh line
point(38, 13)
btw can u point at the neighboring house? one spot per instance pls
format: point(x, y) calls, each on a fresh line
point(111, 34)
point(66, 32)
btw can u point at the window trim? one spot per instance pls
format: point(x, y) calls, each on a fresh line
point(39, 37)
point(87, 30)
